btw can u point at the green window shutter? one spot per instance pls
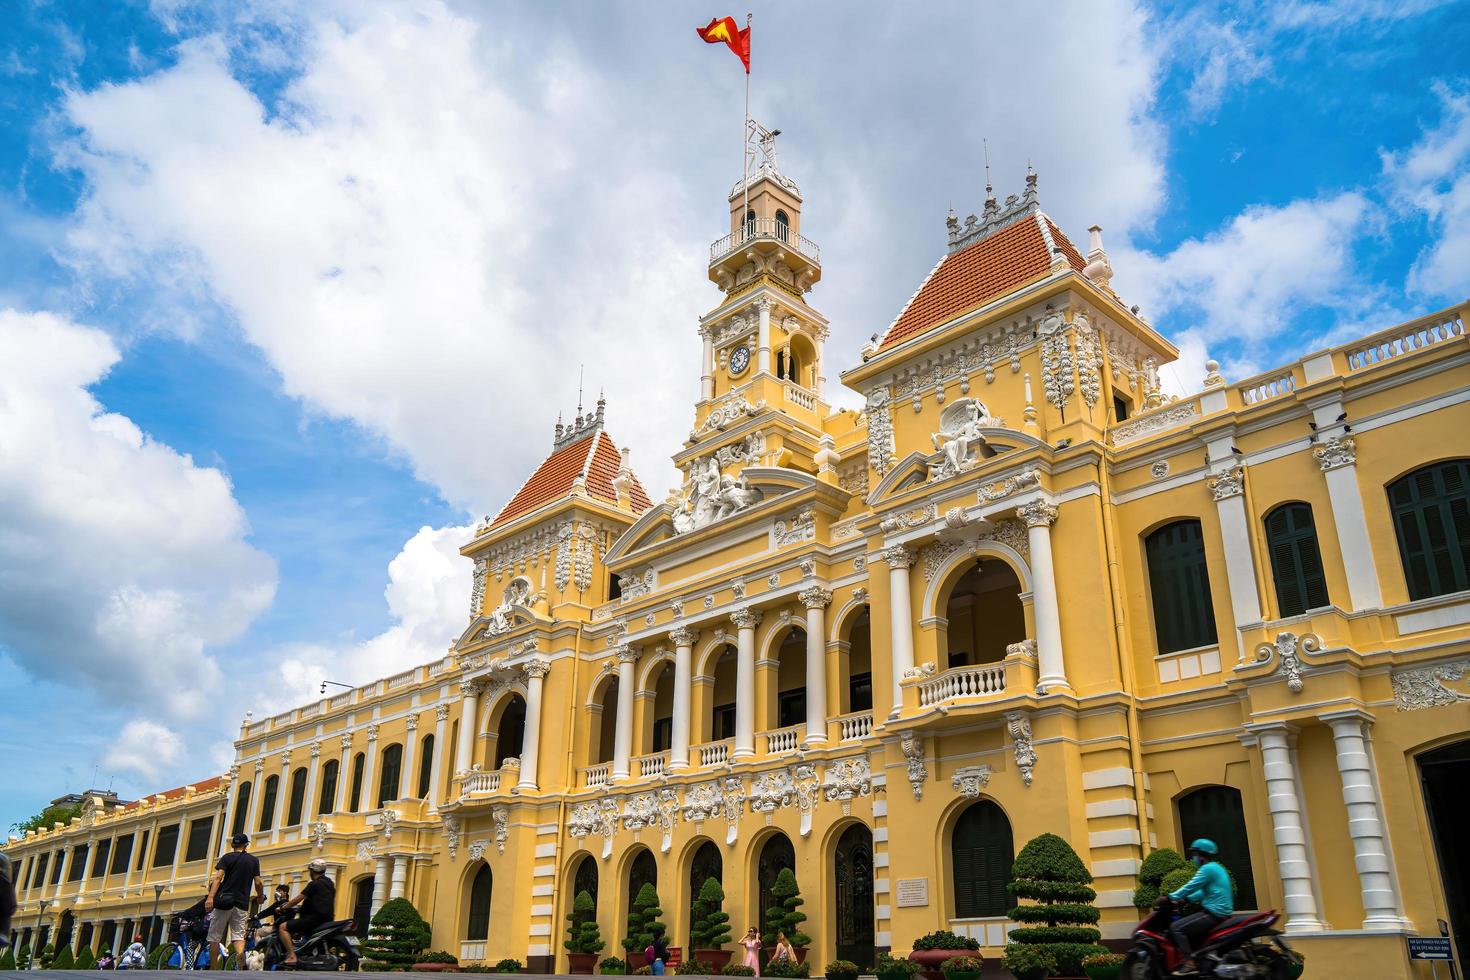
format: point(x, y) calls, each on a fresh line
point(1216, 812)
point(1179, 582)
point(981, 849)
point(1296, 560)
point(1431, 514)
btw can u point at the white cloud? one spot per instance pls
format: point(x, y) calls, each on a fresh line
point(145, 750)
point(122, 563)
point(1433, 178)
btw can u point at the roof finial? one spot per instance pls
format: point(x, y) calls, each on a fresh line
point(601, 404)
point(985, 144)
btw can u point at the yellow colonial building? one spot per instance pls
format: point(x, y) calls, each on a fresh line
point(1023, 590)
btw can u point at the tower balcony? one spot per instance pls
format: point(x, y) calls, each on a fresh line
point(774, 248)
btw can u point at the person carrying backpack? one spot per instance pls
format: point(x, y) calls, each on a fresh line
point(235, 876)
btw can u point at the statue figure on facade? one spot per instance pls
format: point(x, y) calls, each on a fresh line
point(713, 496)
point(502, 617)
point(959, 439)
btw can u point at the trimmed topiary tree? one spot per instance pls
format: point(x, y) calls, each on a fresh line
point(1151, 872)
point(786, 915)
point(85, 960)
point(711, 921)
point(396, 935)
point(1063, 920)
point(642, 919)
point(64, 960)
point(7, 960)
point(48, 953)
point(583, 936)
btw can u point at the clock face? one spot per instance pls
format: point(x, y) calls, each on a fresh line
point(739, 360)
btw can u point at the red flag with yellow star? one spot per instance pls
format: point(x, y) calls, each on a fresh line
point(724, 30)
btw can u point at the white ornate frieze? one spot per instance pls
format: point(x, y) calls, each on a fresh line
point(1288, 649)
point(968, 781)
point(365, 850)
point(913, 751)
point(636, 585)
point(1142, 426)
point(1227, 484)
point(1058, 372)
point(500, 817)
point(984, 353)
point(1336, 451)
point(915, 517)
point(578, 543)
point(882, 450)
point(1024, 480)
point(477, 586)
point(451, 835)
point(729, 410)
point(846, 779)
point(594, 817)
point(1019, 726)
point(795, 530)
point(478, 848)
point(1416, 688)
point(1008, 532)
point(852, 475)
point(1089, 360)
point(846, 529)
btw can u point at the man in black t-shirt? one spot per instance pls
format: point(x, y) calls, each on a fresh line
point(317, 901)
point(236, 876)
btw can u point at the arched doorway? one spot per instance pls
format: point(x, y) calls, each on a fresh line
point(585, 879)
point(362, 905)
point(606, 728)
point(63, 930)
point(859, 693)
point(661, 718)
point(643, 871)
point(707, 863)
point(510, 734)
point(477, 918)
point(982, 852)
point(983, 615)
point(776, 853)
point(1445, 774)
point(1216, 812)
point(853, 879)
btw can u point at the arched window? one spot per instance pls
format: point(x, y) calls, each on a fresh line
point(791, 680)
point(1179, 582)
point(984, 615)
point(358, 763)
point(1431, 513)
point(783, 225)
point(776, 853)
point(297, 803)
point(860, 664)
point(662, 733)
point(607, 723)
point(749, 223)
point(707, 863)
point(644, 871)
point(478, 925)
point(512, 731)
point(389, 767)
point(1296, 561)
point(268, 802)
point(362, 905)
point(722, 696)
point(327, 801)
point(242, 810)
point(585, 880)
point(1216, 812)
point(983, 852)
point(426, 766)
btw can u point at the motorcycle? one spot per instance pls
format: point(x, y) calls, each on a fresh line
point(1242, 947)
point(331, 946)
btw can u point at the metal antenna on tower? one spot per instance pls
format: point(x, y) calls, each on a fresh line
point(985, 144)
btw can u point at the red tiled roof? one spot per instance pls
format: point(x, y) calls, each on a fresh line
point(203, 786)
point(975, 275)
point(553, 479)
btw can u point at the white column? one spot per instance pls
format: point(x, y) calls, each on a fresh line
point(745, 621)
point(469, 720)
point(901, 620)
point(683, 639)
point(707, 367)
point(536, 671)
point(1039, 516)
point(380, 884)
point(436, 768)
point(763, 338)
point(1228, 489)
point(816, 600)
point(623, 737)
point(1284, 802)
point(344, 774)
point(1338, 457)
point(231, 803)
point(407, 781)
point(370, 770)
point(117, 939)
point(283, 791)
point(400, 876)
point(1381, 907)
point(252, 815)
point(308, 806)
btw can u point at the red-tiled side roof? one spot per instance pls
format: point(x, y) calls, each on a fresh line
point(203, 786)
point(979, 273)
point(553, 479)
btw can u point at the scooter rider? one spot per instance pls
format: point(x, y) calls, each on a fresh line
point(317, 900)
point(1210, 888)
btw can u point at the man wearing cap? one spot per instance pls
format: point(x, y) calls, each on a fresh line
point(235, 876)
point(317, 901)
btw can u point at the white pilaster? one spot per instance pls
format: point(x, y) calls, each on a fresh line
point(536, 671)
point(1381, 906)
point(344, 775)
point(816, 601)
point(436, 768)
point(901, 620)
point(370, 770)
point(231, 803)
point(707, 368)
point(283, 792)
point(745, 621)
point(763, 338)
point(623, 736)
point(1227, 487)
point(252, 817)
point(400, 876)
point(380, 884)
point(406, 783)
point(1039, 515)
point(469, 716)
point(1338, 458)
point(1284, 801)
point(308, 805)
point(683, 639)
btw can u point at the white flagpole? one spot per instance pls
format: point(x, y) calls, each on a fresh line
point(745, 150)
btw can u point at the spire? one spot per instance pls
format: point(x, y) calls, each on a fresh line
point(991, 207)
point(583, 425)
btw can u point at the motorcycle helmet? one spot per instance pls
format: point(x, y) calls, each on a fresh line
point(1203, 849)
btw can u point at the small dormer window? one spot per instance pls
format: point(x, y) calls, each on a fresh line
point(783, 225)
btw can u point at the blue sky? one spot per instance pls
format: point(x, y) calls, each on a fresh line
point(291, 292)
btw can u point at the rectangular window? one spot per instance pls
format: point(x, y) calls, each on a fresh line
point(99, 861)
point(790, 708)
point(38, 870)
point(78, 868)
point(142, 852)
point(121, 854)
point(56, 869)
point(199, 832)
point(663, 734)
point(723, 722)
point(860, 692)
point(167, 846)
point(1120, 408)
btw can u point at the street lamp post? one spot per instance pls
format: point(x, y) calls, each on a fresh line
point(37, 946)
point(153, 922)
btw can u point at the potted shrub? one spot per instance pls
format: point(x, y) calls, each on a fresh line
point(1151, 873)
point(842, 970)
point(64, 960)
point(696, 967)
point(788, 969)
point(786, 916)
point(85, 960)
point(584, 941)
point(612, 966)
point(711, 926)
point(7, 960)
point(888, 968)
point(1062, 919)
point(508, 965)
point(641, 922)
point(1103, 966)
point(396, 935)
point(1029, 962)
point(930, 951)
point(738, 970)
point(437, 961)
point(962, 968)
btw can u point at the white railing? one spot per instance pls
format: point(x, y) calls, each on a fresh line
point(857, 725)
point(1264, 389)
point(482, 782)
point(401, 680)
point(257, 728)
point(784, 740)
point(309, 711)
point(713, 753)
point(596, 775)
point(963, 682)
point(799, 396)
point(1405, 339)
point(764, 229)
point(342, 700)
point(472, 950)
point(652, 765)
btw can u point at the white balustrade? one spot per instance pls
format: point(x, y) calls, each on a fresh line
point(713, 753)
point(1405, 339)
point(478, 781)
point(768, 228)
point(652, 765)
point(963, 682)
point(784, 740)
point(342, 700)
point(596, 775)
point(1264, 389)
point(799, 396)
point(854, 726)
point(401, 680)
